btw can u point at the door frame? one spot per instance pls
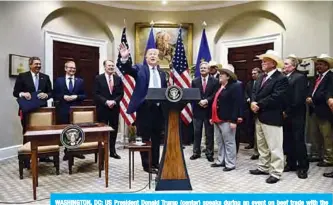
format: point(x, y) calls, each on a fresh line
point(50, 36)
point(276, 39)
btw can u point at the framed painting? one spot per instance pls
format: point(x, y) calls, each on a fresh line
point(165, 38)
point(18, 64)
point(307, 66)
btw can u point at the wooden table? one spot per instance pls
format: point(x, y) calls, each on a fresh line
point(132, 147)
point(50, 135)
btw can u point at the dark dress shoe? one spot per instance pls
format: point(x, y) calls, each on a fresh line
point(115, 155)
point(324, 164)
point(195, 156)
point(315, 159)
point(210, 159)
point(272, 180)
point(153, 171)
point(227, 169)
point(302, 174)
point(65, 158)
point(258, 172)
point(217, 165)
point(249, 146)
point(329, 175)
point(45, 159)
point(155, 166)
point(80, 156)
point(289, 169)
point(254, 157)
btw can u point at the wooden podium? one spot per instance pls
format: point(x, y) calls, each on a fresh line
point(172, 173)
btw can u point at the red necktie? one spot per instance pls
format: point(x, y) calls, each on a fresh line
point(204, 84)
point(111, 84)
point(318, 80)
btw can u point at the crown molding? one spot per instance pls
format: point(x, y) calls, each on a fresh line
point(218, 4)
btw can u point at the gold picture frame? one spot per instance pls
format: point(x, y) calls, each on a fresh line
point(165, 34)
point(18, 64)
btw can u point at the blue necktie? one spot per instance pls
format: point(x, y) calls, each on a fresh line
point(70, 86)
point(155, 78)
point(36, 82)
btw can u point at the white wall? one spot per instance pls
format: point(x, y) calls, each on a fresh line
point(308, 32)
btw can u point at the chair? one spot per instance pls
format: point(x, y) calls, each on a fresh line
point(84, 114)
point(41, 117)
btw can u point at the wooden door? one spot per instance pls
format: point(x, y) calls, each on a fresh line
point(86, 59)
point(244, 59)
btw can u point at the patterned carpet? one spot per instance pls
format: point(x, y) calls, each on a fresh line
point(203, 178)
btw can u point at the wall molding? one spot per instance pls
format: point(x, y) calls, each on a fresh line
point(272, 38)
point(9, 152)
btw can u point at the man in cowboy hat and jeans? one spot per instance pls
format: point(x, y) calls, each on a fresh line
point(321, 113)
point(267, 104)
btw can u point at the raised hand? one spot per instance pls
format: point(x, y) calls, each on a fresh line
point(124, 52)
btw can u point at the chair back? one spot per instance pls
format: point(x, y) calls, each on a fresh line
point(82, 114)
point(44, 116)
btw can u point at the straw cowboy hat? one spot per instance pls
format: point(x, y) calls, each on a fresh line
point(324, 57)
point(274, 56)
point(293, 56)
point(229, 69)
point(214, 64)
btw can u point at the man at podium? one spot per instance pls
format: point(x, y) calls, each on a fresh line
point(149, 121)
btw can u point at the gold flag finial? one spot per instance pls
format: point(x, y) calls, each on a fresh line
point(124, 22)
point(152, 23)
point(204, 24)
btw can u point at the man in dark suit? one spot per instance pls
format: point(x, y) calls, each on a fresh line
point(321, 113)
point(330, 104)
point(213, 66)
point(68, 91)
point(267, 103)
point(149, 121)
point(108, 93)
point(250, 121)
point(30, 82)
point(294, 120)
point(202, 111)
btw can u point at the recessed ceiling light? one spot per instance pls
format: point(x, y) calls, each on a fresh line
point(164, 2)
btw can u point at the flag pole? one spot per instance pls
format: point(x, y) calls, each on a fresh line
point(124, 22)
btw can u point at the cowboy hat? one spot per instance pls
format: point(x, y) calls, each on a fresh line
point(214, 64)
point(324, 57)
point(274, 56)
point(293, 56)
point(229, 69)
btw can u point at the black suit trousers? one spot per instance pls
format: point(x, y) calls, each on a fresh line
point(150, 124)
point(294, 142)
point(111, 118)
point(209, 131)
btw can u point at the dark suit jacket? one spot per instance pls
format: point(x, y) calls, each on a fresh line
point(141, 75)
point(296, 94)
point(319, 98)
point(249, 90)
point(242, 104)
point(211, 88)
point(271, 98)
point(25, 83)
point(60, 90)
point(229, 103)
point(102, 94)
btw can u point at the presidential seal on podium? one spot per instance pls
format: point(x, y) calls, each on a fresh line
point(174, 93)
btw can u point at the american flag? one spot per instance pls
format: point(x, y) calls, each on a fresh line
point(129, 85)
point(180, 75)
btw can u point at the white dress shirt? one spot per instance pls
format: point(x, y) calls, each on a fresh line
point(151, 78)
